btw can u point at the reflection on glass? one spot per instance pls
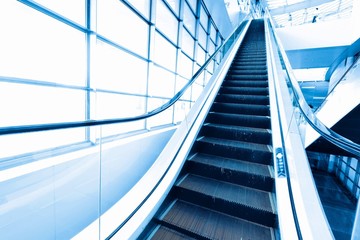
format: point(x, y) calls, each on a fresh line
point(117, 70)
point(161, 82)
point(142, 5)
point(212, 32)
point(181, 110)
point(39, 47)
point(185, 66)
point(187, 43)
point(164, 53)
point(196, 91)
point(211, 48)
point(166, 21)
point(180, 83)
point(111, 105)
point(189, 19)
point(163, 118)
point(201, 55)
point(203, 17)
point(113, 19)
point(53, 198)
point(202, 37)
point(24, 104)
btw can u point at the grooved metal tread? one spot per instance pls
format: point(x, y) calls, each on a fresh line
point(232, 164)
point(242, 98)
point(249, 134)
point(236, 144)
point(164, 233)
point(207, 224)
point(241, 195)
point(238, 108)
point(244, 83)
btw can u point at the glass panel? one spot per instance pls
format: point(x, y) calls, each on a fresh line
point(142, 5)
point(203, 17)
point(24, 104)
point(174, 4)
point(119, 71)
point(72, 9)
point(213, 32)
point(52, 198)
point(202, 37)
point(166, 21)
point(196, 91)
point(201, 55)
point(208, 75)
point(180, 83)
point(189, 19)
point(111, 105)
point(210, 67)
point(161, 82)
point(40, 47)
point(187, 43)
point(185, 66)
point(113, 19)
point(193, 4)
point(181, 110)
point(211, 48)
point(164, 52)
point(162, 118)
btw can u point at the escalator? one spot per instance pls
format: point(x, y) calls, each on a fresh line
point(226, 187)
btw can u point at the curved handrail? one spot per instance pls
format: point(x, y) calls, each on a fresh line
point(89, 123)
point(350, 51)
point(310, 117)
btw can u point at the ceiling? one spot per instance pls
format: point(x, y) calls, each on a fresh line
point(297, 12)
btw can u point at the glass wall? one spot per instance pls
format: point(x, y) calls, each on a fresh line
point(65, 61)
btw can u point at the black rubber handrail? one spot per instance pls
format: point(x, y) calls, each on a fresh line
point(306, 111)
point(89, 123)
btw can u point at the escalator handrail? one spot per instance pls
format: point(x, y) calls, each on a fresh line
point(306, 111)
point(89, 123)
point(350, 51)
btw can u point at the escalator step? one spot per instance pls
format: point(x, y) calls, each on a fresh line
point(246, 99)
point(164, 233)
point(206, 224)
point(244, 90)
point(235, 108)
point(231, 170)
point(246, 77)
point(246, 134)
point(249, 63)
point(239, 120)
point(246, 72)
point(252, 152)
point(244, 83)
point(239, 67)
point(238, 201)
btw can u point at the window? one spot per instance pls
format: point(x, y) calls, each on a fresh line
point(161, 83)
point(113, 19)
point(203, 17)
point(187, 44)
point(164, 52)
point(166, 22)
point(189, 19)
point(117, 70)
point(41, 48)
